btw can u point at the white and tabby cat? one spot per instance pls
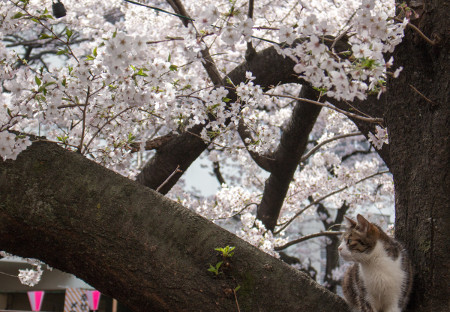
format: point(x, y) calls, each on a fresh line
point(380, 280)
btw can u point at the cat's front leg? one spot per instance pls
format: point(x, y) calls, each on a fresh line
point(393, 309)
point(366, 307)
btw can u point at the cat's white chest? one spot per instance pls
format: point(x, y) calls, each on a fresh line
point(383, 278)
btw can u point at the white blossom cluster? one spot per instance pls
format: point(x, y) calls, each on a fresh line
point(29, 277)
point(371, 32)
point(379, 138)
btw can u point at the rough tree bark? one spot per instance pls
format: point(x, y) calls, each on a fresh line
point(133, 244)
point(417, 116)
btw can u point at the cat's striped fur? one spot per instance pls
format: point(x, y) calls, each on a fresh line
point(380, 279)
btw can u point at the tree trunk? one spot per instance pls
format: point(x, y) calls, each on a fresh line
point(134, 244)
point(417, 116)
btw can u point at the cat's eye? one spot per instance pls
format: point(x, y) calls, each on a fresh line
point(349, 241)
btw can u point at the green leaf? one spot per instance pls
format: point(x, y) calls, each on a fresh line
point(212, 107)
point(226, 100)
point(68, 33)
point(35, 20)
point(61, 52)
point(227, 252)
point(90, 58)
point(49, 83)
point(141, 73)
point(18, 15)
point(367, 63)
point(237, 288)
point(43, 90)
point(63, 139)
point(320, 89)
point(131, 137)
point(45, 36)
point(38, 81)
point(95, 52)
point(173, 67)
point(215, 269)
point(212, 269)
point(40, 98)
point(45, 17)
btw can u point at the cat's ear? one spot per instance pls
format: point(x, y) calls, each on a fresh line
point(351, 222)
point(364, 225)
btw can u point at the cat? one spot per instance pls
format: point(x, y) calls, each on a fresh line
point(380, 280)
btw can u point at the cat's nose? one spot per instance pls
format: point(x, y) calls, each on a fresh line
point(340, 248)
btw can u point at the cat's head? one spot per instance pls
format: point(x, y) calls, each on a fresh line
point(359, 240)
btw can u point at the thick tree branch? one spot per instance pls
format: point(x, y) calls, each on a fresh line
point(182, 151)
point(178, 7)
point(287, 158)
point(251, 52)
point(107, 229)
point(218, 174)
point(152, 144)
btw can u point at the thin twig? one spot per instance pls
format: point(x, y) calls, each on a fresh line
point(83, 128)
point(235, 298)
point(421, 34)
point(160, 10)
point(177, 170)
point(56, 142)
point(330, 106)
point(9, 274)
point(236, 214)
point(304, 238)
point(421, 94)
point(168, 39)
point(341, 35)
point(104, 125)
point(315, 148)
